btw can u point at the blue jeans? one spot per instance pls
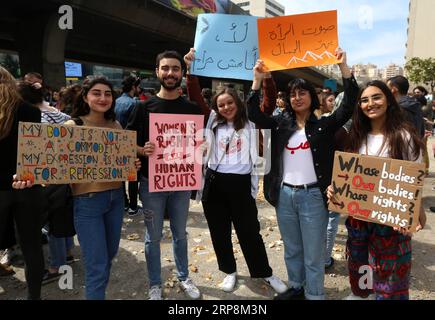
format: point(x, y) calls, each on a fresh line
point(154, 205)
point(58, 248)
point(98, 221)
point(331, 232)
point(302, 219)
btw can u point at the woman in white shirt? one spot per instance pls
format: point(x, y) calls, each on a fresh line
point(232, 193)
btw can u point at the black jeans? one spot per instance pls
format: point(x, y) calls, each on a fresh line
point(230, 201)
point(131, 200)
point(26, 207)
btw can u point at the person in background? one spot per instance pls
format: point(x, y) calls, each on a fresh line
point(281, 103)
point(420, 91)
point(124, 106)
point(23, 207)
point(60, 248)
point(399, 86)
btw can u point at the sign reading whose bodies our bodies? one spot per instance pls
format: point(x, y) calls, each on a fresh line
point(226, 46)
point(176, 163)
point(58, 154)
point(299, 40)
point(379, 190)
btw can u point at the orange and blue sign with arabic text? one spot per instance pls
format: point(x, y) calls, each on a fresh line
point(297, 41)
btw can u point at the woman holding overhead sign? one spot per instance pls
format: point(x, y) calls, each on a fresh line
point(301, 169)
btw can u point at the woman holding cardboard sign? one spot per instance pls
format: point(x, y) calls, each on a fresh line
point(379, 129)
point(98, 207)
point(301, 170)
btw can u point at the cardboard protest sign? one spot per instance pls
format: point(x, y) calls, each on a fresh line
point(58, 154)
point(379, 190)
point(176, 163)
point(226, 46)
point(299, 40)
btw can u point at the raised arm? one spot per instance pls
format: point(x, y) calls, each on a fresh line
point(348, 104)
point(193, 87)
point(268, 104)
point(253, 102)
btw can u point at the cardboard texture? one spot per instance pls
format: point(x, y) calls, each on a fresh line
point(59, 154)
point(300, 40)
point(176, 163)
point(379, 190)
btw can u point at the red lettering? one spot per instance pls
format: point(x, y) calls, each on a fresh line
point(359, 183)
point(354, 209)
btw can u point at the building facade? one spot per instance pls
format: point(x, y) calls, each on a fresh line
point(261, 8)
point(392, 70)
point(421, 35)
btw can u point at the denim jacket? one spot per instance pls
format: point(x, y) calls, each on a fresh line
point(124, 105)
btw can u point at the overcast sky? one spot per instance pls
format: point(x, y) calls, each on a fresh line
point(369, 30)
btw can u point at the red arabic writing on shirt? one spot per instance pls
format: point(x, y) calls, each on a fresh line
point(302, 146)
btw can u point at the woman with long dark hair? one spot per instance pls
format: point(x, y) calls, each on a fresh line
point(99, 206)
point(379, 129)
point(301, 170)
point(24, 207)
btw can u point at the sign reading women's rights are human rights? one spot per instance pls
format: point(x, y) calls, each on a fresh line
point(176, 163)
point(58, 154)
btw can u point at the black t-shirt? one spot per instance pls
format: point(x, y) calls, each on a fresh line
point(9, 145)
point(139, 118)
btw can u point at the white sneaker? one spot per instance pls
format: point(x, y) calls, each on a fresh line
point(276, 284)
point(155, 293)
point(8, 255)
point(190, 289)
point(354, 297)
point(229, 282)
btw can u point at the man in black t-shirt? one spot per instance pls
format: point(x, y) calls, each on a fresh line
point(169, 71)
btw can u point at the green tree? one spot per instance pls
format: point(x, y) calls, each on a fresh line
point(421, 71)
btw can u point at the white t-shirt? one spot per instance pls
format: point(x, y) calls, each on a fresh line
point(298, 160)
point(377, 147)
point(237, 160)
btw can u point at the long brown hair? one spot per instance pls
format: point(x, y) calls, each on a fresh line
point(241, 117)
point(9, 100)
point(394, 129)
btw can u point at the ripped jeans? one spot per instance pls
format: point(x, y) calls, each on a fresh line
point(154, 204)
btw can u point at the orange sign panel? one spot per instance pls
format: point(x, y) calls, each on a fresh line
point(297, 41)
